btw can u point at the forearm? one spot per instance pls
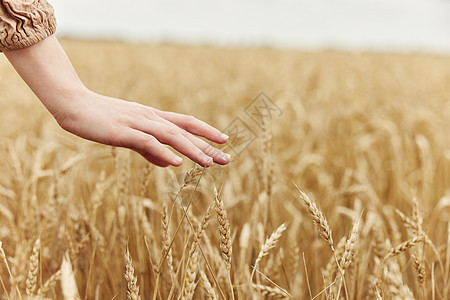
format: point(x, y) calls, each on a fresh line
point(47, 70)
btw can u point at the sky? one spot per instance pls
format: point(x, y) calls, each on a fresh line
point(374, 25)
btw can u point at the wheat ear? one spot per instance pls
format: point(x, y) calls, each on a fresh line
point(404, 246)
point(166, 240)
point(419, 266)
point(270, 243)
point(210, 292)
point(32, 272)
point(48, 284)
point(204, 223)
point(225, 236)
point(189, 284)
point(324, 230)
point(270, 291)
point(318, 219)
point(350, 245)
point(133, 288)
point(224, 230)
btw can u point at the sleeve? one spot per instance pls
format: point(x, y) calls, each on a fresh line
point(23, 23)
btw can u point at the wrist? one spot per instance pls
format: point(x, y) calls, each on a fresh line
point(65, 104)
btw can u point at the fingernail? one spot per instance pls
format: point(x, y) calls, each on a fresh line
point(227, 156)
point(177, 160)
point(223, 136)
point(208, 161)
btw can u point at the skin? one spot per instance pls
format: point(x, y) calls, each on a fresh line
point(48, 71)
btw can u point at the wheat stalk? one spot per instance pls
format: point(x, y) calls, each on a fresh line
point(33, 270)
point(394, 281)
point(204, 222)
point(318, 219)
point(42, 291)
point(420, 269)
point(330, 269)
point(419, 259)
point(225, 236)
point(145, 180)
point(270, 243)
point(270, 291)
point(210, 292)
point(324, 230)
point(404, 247)
point(189, 284)
point(407, 221)
point(98, 195)
point(5, 261)
point(167, 250)
point(350, 245)
point(224, 230)
point(133, 288)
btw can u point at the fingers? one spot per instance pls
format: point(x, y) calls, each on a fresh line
point(194, 125)
point(147, 136)
point(150, 148)
point(152, 159)
point(178, 139)
point(217, 155)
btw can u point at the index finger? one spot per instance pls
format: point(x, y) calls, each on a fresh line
point(194, 126)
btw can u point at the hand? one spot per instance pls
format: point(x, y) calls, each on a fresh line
point(47, 70)
point(141, 128)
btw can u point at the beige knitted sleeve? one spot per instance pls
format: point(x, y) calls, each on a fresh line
point(25, 22)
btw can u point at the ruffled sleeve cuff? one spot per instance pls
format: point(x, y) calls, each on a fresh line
point(23, 23)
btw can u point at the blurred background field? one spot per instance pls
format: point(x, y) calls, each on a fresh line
point(361, 124)
point(363, 134)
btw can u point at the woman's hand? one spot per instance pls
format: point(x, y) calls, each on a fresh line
point(47, 70)
point(143, 129)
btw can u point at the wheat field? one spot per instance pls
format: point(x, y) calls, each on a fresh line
point(341, 193)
